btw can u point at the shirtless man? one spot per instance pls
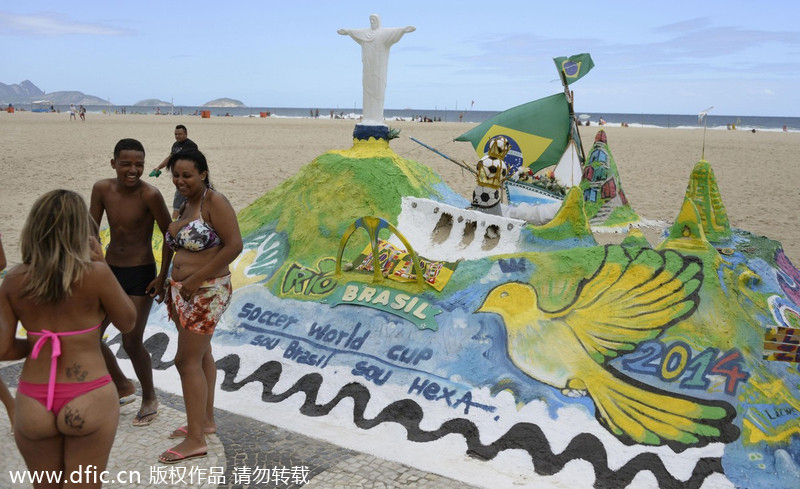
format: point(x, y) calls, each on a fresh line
point(131, 207)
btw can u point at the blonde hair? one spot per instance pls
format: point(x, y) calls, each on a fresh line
point(55, 245)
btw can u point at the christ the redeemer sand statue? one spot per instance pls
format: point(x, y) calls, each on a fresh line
point(375, 43)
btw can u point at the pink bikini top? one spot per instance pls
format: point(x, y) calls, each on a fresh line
point(55, 352)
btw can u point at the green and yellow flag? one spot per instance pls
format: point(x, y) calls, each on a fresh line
point(538, 132)
point(574, 67)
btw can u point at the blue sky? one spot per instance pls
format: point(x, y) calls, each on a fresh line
point(680, 57)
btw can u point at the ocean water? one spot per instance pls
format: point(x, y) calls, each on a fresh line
point(475, 116)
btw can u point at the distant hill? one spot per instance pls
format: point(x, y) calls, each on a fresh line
point(74, 97)
point(225, 102)
point(152, 102)
point(22, 92)
point(26, 92)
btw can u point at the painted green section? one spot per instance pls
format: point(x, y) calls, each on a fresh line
point(316, 206)
point(621, 216)
point(569, 222)
point(686, 233)
point(704, 192)
point(635, 239)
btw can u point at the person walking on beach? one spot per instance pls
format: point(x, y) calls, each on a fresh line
point(206, 239)
point(67, 406)
point(73, 112)
point(131, 207)
point(82, 113)
point(182, 142)
point(5, 395)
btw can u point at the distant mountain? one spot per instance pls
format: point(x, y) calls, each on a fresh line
point(74, 97)
point(22, 92)
point(152, 102)
point(225, 102)
point(26, 92)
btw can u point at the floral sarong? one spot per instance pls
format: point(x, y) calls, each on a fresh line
point(201, 312)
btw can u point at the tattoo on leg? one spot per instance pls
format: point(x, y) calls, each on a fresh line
point(73, 418)
point(76, 372)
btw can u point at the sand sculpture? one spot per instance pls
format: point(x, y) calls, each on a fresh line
point(376, 311)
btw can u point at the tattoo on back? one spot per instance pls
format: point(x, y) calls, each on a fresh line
point(73, 418)
point(76, 372)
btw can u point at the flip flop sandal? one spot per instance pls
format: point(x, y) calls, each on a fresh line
point(145, 419)
point(124, 401)
point(180, 458)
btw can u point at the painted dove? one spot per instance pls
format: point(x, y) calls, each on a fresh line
point(632, 297)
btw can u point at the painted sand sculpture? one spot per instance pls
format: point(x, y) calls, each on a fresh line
point(373, 310)
point(535, 357)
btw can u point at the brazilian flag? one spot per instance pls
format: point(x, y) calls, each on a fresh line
point(574, 67)
point(538, 132)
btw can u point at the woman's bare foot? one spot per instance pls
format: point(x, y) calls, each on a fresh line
point(126, 389)
point(183, 431)
point(183, 451)
point(147, 414)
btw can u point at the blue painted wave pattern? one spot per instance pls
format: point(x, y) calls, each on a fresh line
point(409, 414)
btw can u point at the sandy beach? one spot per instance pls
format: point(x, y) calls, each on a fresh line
point(756, 172)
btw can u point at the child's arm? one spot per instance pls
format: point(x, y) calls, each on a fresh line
point(96, 207)
point(158, 208)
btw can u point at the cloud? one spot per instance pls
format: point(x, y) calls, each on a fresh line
point(691, 48)
point(685, 25)
point(52, 24)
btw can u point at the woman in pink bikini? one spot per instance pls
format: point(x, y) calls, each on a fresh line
point(67, 406)
point(206, 239)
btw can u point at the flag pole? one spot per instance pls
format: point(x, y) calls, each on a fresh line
point(702, 115)
point(572, 125)
point(459, 163)
point(703, 150)
point(570, 100)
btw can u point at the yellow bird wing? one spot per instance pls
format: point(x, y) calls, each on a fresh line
point(631, 298)
point(638, 413)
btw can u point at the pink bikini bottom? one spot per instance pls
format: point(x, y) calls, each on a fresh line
point(64, 391)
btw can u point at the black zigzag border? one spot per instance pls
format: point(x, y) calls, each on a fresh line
point(409, 414)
